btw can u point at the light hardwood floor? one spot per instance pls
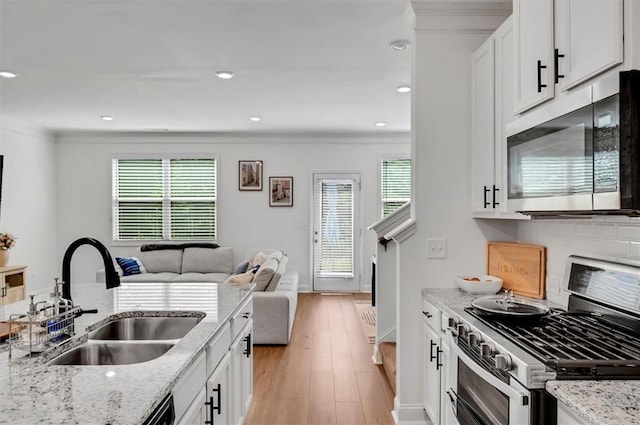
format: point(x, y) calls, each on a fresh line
point(325, 375)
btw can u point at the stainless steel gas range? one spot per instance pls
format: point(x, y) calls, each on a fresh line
point(499, 363)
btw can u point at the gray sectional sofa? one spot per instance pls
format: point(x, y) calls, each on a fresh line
point(274, 303)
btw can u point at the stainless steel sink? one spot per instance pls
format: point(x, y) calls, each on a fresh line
point(99, 353)
point(145, 328)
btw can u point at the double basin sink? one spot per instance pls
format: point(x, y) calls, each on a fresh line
point(129, 340)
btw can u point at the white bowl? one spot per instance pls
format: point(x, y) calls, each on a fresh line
point(483, 285)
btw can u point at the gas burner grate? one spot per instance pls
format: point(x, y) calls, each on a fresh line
point(575, 345)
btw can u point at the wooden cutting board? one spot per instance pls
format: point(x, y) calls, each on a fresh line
point(522, 267)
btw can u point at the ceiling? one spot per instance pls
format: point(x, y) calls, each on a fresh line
point(302, 66)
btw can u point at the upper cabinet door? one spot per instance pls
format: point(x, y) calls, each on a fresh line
point(482, 124)
point(589, 35)
point(533, 31)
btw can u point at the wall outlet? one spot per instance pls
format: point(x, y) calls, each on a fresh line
point(436, 248)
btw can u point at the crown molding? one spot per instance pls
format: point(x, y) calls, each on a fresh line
point(462, 8)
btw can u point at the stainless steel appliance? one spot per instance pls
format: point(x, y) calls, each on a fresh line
point(501, 362)
point(580, 155)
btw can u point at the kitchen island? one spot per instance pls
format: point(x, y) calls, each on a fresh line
point(588, 402)
point(33, 392)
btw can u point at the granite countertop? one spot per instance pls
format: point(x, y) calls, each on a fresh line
point(592, 402)
point(34, 392)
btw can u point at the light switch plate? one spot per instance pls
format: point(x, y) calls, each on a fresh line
point(436, 248)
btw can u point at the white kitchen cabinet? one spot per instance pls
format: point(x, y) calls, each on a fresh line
point(431, 379)
point(589, 36)
point(432, 361)
point(492, 109)
point(563, 42)
point(242, 374)
point(533, 49)
point(197, 412)
point(218, 401)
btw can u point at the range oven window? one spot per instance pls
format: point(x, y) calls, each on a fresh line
point(487, 403)
point(554, 158)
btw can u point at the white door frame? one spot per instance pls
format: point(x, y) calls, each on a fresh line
point(356, 283)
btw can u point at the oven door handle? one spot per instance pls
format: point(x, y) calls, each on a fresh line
point(457, 401)
point(488, 377)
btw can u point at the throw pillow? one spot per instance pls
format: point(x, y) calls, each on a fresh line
point(130, 266)
point(265, 273)
point(259, 259)
point(246, 277)
point(242, 268)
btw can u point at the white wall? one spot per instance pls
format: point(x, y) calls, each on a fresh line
point(244, 218)
point(446, 35)
point(612, 238)
point(28, 208)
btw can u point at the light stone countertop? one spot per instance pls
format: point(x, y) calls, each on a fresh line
point(593, 402)
point(32, 392)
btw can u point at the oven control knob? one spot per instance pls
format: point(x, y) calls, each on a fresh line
point(462, 330)
point(487, 349)
point(453, 322)
point(473, 339)
point(503, 362)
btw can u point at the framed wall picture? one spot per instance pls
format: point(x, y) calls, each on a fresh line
point(280, 191)
point(250, 175)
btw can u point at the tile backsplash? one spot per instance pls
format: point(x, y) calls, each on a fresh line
point(612, 238)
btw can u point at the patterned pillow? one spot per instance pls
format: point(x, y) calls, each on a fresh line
point(130, 266)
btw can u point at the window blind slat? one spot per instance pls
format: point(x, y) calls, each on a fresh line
point(336, 230)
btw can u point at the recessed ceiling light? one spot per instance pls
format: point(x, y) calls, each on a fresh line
point(107, 118)
point(381, 123)
point(403, 89)
point(255, 119)
point(8, 74)
point(225, 75)
point(399, 44)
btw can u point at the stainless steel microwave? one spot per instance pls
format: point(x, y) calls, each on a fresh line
point(580, 155)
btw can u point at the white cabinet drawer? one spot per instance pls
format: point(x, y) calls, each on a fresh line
point(218, 348)
point(432, 316)
point(187, 388)
point(241, 317)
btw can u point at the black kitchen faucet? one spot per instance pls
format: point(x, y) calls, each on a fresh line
point(112, 277)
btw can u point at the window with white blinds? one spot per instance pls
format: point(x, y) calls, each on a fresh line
point(336, 227)
point(396, 184)
point(164, 199)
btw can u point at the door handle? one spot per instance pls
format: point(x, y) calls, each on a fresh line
point(431, 356)
point(540, 68)
point(495, 189)
point(486, 190)
point(557, 75)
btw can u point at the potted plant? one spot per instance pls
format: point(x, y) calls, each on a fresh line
point(7, 241)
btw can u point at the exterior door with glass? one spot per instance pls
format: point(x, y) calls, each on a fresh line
point(336, 232)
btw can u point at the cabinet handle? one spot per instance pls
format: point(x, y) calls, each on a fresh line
point(245, 315)
point(210, 405)
point(556, 56)
point(426, 313)
point(486, 190)
point(247, 352)
point(217, 390)
point(540, 68)
point(495, 189)
point(438, 364)
point(431, 356)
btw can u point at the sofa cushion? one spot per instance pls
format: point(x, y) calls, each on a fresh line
point(150, 277)
point(130, 266)
point(204, 260)
point(275, 280)
point(201, 277)
point(265, 273)
point(162, 261)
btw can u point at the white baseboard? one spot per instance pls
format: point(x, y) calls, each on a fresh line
point(409, 414)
